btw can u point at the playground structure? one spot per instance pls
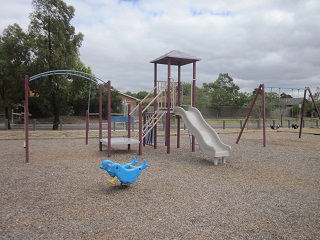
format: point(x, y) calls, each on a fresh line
point(166, 101)
point(261, 90)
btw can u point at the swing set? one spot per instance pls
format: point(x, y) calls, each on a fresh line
point(261, 90)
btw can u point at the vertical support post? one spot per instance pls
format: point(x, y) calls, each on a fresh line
point(155, 105)
point(302, 112)
point(168, 107)
point(249, 113)
point(100, 116)
point(129, 124)
point(109, 118)
point(87, 126)
point(179, 103)
point(26, 116)
point(140, 129)
point(264, 115)
point(314, 103)
point(193, 139)
point(60, 124)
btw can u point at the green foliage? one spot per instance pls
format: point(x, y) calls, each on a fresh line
point(54, 46)
point(14, 59)
point(284, 95)
point(223, 92)
point(50, 44)
point(141, 94)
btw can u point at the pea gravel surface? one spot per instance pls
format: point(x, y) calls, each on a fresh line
point(270, 192)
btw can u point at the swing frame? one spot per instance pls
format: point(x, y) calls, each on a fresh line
point(261, 90)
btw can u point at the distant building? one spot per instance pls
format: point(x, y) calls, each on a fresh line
point(127, 99)
point(289, 102)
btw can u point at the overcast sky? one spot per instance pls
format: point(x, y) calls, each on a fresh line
point(275, 42)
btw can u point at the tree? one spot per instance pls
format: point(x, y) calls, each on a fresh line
point(223, 81)
point(55, 46)
point(141, 94)
point(224, 92)
point(81, 91)
point(239, 99)
point(220, 98)
point(14, 58)
point(284, 95)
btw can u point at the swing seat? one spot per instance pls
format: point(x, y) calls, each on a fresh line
point(275, 127)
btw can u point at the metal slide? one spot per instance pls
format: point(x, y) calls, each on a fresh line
point(206, 136)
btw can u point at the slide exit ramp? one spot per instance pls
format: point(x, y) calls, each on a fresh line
point(207, 138)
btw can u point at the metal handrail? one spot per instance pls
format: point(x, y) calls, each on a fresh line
point(142, 101)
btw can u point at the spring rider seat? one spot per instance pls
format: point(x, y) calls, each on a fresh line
point(127, 173)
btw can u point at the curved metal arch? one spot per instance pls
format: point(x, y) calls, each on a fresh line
point(87, 76)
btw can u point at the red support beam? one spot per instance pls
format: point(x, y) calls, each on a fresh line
point(100, 116)
point(249, 113)
point(168, 107)
point(302, 112)
point(109, 118)
point(178, 103)
point(194, 84)
point(129, 124)
point(155, 105)
point(140, 129)
point(263, 114)
point(26, 115)
point(314, 103)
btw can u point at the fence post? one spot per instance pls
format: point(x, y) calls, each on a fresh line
point(289, 123)
point(6, 124)
point(273, 123)
point(224, 124)
point(60, 122)
point(240, 124)
point(258, 123)
point(34, 124)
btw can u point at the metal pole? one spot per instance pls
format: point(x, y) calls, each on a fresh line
point(302, 112)
point(129, 124)
point(109, 118)
point(314, 103)
point(100, 116)
point(179, 103)
point(140, 129)
point(264, 114)
point(168, 107)
point(193, 139)
point(249, 113)
point(26, 115)
point(155, 105)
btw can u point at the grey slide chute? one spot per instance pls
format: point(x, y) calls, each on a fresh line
point(207, 138)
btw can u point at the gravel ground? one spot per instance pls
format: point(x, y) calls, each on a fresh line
point(261, 193)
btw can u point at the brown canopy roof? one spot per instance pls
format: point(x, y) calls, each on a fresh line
point(177, 58)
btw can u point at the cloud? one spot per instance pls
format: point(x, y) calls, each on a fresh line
point(266, 41)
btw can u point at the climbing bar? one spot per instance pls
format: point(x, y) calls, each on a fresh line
point(284, 87)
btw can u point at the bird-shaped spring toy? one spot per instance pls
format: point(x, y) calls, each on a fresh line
point(127, 173)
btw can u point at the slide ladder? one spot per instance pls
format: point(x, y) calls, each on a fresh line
point(207, 138)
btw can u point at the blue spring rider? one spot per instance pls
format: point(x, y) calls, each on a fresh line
point(127, 173)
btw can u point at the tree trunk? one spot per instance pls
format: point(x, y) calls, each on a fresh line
point(6, 111)
point(56, 111)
